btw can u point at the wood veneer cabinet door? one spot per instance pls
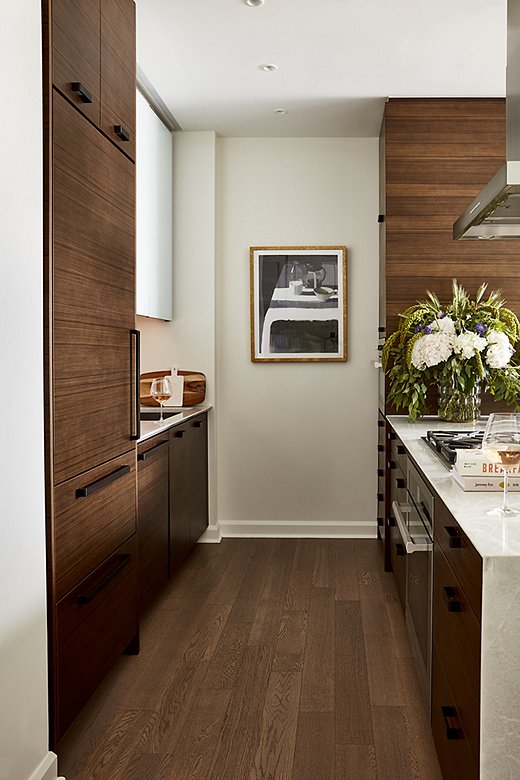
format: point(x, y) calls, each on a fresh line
point(188, 488)
point(118, 73)
point(76, 40)
point(93, 295)
point(152, 517)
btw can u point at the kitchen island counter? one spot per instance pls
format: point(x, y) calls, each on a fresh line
point(498, 543)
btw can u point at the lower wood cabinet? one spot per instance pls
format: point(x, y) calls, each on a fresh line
point(95, 623)
point(188, 487)
point(153, 517)
point(457, 594)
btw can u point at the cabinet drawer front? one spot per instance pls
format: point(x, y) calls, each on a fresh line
point(460, 554)
point(88, 528)
point(457, 638)
point(77, 54)
point(452, 746)
point(95, 624)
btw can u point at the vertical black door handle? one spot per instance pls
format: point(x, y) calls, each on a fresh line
point(135, 365)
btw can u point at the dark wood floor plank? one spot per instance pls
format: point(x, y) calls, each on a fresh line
point(346, 576)
point(290, 645)
point(357, 762)
point(225, 664)
point(318, 673)
point(195, 749)
point(324, 575)
point(314, 753)
point(353, 719)
point(241, 730)
point(274, 592)
point(300, 583)
point(394, 747)
point(275, 752)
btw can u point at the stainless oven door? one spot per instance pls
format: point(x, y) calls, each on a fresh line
point(419, 574)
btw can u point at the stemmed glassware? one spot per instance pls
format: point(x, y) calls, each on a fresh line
point(501, 443)
point(161, 389)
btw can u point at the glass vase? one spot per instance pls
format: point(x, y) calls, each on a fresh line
point(456, 405)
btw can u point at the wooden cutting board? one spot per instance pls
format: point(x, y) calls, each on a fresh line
point(194, 387)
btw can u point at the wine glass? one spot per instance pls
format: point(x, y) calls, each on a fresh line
point(161, 389)
point(501, 443)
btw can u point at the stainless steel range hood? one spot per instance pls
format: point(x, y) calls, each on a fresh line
point(495, 212)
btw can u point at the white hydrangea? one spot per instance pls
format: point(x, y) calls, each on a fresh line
point(431, 349)
point(444, 325)
point(468, 343)
point(499, 351)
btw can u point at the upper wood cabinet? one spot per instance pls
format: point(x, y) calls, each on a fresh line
point(76, 39)
point(118, 73)
point(93, 45)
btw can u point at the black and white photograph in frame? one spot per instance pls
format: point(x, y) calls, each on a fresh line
point(298, 303)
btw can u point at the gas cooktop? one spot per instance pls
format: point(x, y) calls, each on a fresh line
point(446, 443)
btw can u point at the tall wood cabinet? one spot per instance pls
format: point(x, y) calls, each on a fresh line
point(91, 347)
point(436, 154)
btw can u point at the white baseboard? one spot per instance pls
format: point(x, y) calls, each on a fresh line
point(211, 535)
point(300, 530)
point(47, 769)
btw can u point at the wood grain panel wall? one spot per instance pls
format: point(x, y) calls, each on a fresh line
point(437, 155)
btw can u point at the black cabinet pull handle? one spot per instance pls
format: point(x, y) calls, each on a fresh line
point(379, 347)
point(135, 414)
point(380, 497)
point(452, 723)
point(380, 447)
point(179, 434)
point(400, 482)
point(380, 521)
point(392, 436)
point(401, 450)
point(380, 472)
point(392, 464)
point(102, 483)
point(197, 424)
point(391, 522)
point(380, 423)
point(86, 598)
point(454, 538)
point(150, 452)
point(82, 91)
point(381, 329)
point(121, 132)
point(453, 604)
point(399, 549)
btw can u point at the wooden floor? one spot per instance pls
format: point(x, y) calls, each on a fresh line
point(265, 659)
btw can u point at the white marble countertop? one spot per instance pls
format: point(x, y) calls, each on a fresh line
point(151, 428)
point(491, 536)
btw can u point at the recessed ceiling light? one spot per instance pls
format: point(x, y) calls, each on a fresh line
point(254, 3)
point(280, 111)
point(269, 67)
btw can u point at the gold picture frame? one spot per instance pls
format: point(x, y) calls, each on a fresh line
point(298, 304)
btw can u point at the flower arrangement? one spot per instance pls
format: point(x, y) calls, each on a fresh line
point(461, 345)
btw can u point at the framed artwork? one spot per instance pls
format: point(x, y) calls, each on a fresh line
point(298, 303)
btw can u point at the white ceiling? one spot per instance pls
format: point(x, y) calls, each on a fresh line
point(337, 60)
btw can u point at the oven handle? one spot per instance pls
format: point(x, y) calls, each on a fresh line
point(409, 545)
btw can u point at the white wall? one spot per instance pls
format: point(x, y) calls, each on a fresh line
point(188, 342)
point(23, 661)
point(295, 448)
